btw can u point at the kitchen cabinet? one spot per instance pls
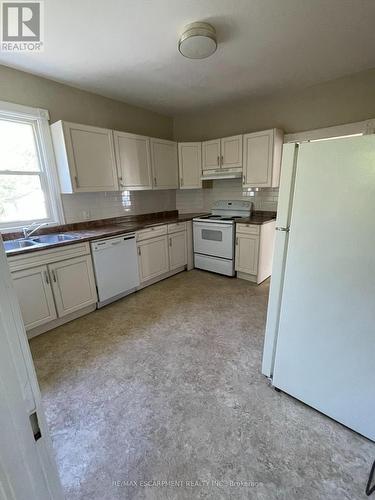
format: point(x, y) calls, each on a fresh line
point(231, 151)
point(164, 164)
point(34, 292)
point(222, 154)
point(262, 158)
point(177, 250)
point(133, 158)
point(254, 251)
point(53, 286)
point(190, 164)
point(211, 154)
point(247, 247)
point(222, 158)
point(153, 257)
point(85, 157)
point(73, 284)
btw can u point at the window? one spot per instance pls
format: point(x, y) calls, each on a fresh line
point(28, 187)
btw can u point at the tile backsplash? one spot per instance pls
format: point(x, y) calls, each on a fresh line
point(193, 200)
point(90, 206)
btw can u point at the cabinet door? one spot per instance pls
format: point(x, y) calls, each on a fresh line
point(91, 158)
point(262, 158)
point(190, 164)
point(247, 249)
point(231, 152)
point(35, 297)
point(153, 258)
point(133, 161)
point(211, 154)
point(73, 284)
point(164, 164)
point(177, 250)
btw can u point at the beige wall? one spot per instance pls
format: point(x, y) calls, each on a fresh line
point(336, 102)
point(67, 103)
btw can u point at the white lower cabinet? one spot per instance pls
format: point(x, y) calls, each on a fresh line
point(33, 288)
point(247, 248)
point(162, 251)
point(53, 284)
point(254, 251)
point(73, 284)
point(153, 258)
point(177, 250)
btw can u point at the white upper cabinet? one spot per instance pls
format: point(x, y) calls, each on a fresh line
point(164, 164)
point(262, 158)
point(231, 152)
point(133, 159)
point(223, 153)
point(190, 164)
point(211, 154)
point(85, 158)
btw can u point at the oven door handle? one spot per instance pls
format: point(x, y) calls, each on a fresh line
point(212, 225)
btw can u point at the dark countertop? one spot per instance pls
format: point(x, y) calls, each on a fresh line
point(91, 230)
point(258, 217)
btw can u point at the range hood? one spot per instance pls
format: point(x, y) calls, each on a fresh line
point(209, 175)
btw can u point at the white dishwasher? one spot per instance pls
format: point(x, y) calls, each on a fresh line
point(116, 267)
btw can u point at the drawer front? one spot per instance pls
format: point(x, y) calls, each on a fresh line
point(178, 226)
point(47, 256)
point(248, 228)
point(151, 232)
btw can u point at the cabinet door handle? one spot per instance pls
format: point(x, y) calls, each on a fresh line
point(76, 180)
point(139, 250)
point(170, 242)
point(237, 240)
point(243, 179)
point(181, 181)
point(54, 276)
point(155, 182)
point(222, 159)
point(46, 277)
point(218, 160)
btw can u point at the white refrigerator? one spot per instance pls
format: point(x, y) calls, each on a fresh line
point(320, 334)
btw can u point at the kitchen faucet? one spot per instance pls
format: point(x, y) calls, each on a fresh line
point(26, 230)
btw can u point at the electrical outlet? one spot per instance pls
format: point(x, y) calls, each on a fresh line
point(86, 214)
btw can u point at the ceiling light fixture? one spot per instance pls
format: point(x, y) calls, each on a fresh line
point(198, 41)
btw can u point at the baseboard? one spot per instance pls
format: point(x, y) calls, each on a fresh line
point(59, 321)
point(161, 277)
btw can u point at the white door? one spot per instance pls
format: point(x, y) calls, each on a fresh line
point(247, 250)
point(190, 164)
point(91, 157)
point(211, 155)
point(73, 284)
point(231, 152)
point(164, 164)
point(34, 292)
point(324, 353)
point(133, 161)
point(153, 258)
point(177, 250)
point(258, 159)
point(27, 467)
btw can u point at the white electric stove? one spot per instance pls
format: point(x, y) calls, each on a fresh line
point(214, 236)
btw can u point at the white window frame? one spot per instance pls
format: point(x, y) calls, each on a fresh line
point(39, 119)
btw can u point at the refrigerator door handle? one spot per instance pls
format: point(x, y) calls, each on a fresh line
point(284, 229)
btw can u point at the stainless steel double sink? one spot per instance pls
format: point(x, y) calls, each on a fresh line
point(37, 241)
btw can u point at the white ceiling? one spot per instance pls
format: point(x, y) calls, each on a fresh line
point(127, 49)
